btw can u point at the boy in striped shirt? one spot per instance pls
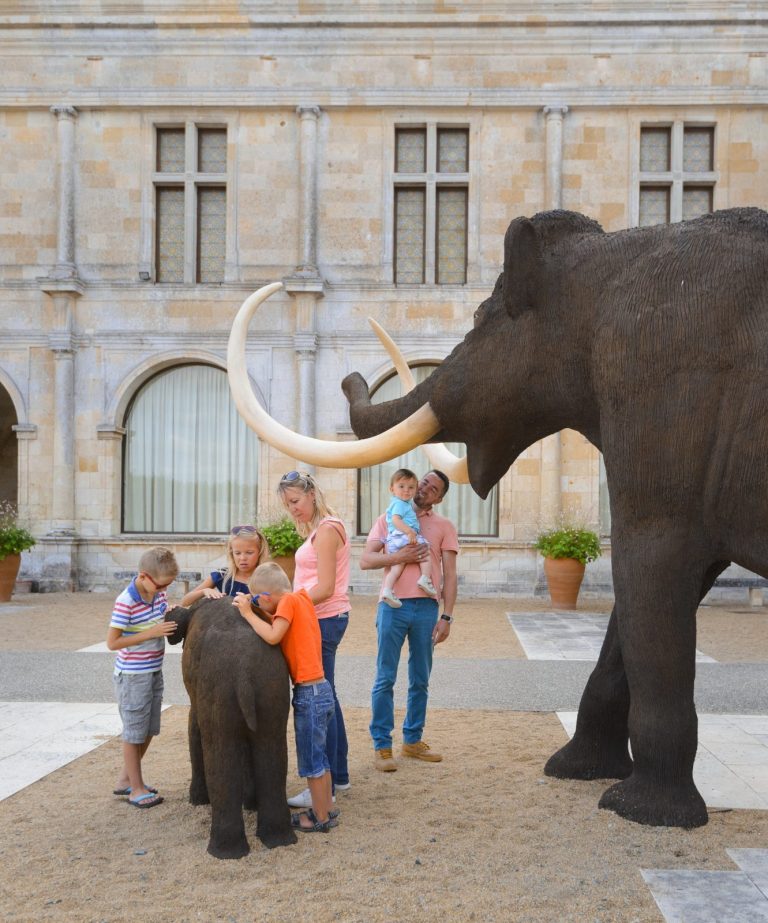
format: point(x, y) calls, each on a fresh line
point(137, 633)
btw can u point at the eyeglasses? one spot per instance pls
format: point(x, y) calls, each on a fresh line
point(296, 476)
point(236, 530)
point(255, 599)
point(158, 586)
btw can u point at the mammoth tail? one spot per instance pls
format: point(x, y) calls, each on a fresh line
point(246, 700)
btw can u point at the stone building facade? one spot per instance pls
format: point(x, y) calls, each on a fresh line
point(161, 160)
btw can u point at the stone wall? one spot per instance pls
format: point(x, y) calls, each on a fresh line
point(86, 85)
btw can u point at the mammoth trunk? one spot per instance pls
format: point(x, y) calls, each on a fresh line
point(369, 419)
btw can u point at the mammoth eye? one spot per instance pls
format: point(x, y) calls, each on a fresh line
point(478, 315)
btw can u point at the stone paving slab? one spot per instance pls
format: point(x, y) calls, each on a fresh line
point(706, 897)
point(565, 635)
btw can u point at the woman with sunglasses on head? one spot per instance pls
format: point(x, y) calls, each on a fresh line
point(246, 549)
point(322, 569)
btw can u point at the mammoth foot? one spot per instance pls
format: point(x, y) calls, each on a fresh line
point(282, 836)
point(637, 799)
point(228, 849)
point(581, 760)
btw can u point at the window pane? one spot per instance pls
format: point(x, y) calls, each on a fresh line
point(698, 145)
point(452, 150)
point(654, 205)
point(211, 233)
point(410, 150)
point(178, 477)
point(170, 150)
point(212, 150)
point(170, 234)
point(409, 235)
point(451, 235)
point(697, 200)
point(470, 514)
point(654, 149)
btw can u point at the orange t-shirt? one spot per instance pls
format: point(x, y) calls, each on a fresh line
point(301, 644)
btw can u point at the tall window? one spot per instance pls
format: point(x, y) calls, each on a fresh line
point(470, 514)
point(191, 463)
point(677, 172)
point(190, 182)
point(431, 182)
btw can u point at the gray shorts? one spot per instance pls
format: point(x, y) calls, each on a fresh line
point(139, 699)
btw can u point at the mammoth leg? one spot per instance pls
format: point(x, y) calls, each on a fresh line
point(198, 790)
point(270, 764)
point(223, 754)
point(657, 633)
point(598, 749)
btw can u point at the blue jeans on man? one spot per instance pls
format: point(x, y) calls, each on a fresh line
point(415, 620)
point(331, 632)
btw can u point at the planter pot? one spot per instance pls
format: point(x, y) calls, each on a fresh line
point(9, 568)
point(564, 576)
point(288, 564)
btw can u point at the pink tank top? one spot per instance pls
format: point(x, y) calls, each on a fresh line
point(306, 572)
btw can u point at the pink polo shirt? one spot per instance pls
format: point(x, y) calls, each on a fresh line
point(441, 535)
point(305, 576)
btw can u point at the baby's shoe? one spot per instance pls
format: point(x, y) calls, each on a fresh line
point(390, 599)
point(424, 583)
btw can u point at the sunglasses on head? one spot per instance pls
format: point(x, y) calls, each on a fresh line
point(236, 530)
point(296, 476)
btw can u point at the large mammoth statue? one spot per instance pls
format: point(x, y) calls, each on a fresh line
point(653, 343)
point(240, 695)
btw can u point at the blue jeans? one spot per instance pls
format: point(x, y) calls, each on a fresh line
point(416, 621)
point(331, 632)
point(312, 713)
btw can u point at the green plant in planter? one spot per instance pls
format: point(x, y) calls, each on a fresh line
point(13, 538)
point(282, 538)
point(569, 542)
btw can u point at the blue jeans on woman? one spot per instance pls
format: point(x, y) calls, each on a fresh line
point(415, 620)
point(331, 632)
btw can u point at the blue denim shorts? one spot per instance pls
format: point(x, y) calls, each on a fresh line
point(313, 708)
point(139, 700)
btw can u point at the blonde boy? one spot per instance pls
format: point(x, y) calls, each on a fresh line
point(137, 633)
point(295, 628)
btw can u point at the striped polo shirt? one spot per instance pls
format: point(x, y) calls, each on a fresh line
point(131, 615)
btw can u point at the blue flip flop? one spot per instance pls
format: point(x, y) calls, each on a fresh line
point(143, 801)
point(127, 790)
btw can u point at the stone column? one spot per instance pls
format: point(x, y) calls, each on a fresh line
point(305, 284)
point(309, 116)
point(63, 487)
point(65, 247)
point(551, 460)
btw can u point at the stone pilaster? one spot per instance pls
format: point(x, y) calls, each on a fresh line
point(65, 245)
point(309, 116)
point(551, 455)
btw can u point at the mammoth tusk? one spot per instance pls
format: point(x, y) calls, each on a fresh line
point(403, 437)
point(439, 456)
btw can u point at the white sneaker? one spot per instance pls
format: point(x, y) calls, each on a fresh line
point(343, 788)
point(390, 599)
point(424, 583)
point(304, 800)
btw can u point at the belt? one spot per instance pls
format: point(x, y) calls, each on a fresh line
point(314, 682)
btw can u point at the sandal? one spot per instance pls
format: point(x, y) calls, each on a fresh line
point(317, 826)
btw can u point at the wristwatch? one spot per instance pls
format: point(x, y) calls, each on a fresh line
point(446, 618)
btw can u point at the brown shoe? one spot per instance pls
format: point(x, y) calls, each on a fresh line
point(382, 760)
point(421, 751)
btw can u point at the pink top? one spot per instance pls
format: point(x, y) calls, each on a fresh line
point(305, 576)
point(441, 535)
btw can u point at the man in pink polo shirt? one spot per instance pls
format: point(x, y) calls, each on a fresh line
point(417, 619)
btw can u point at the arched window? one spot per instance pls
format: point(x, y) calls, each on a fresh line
point(470, 514)
point(190, 463)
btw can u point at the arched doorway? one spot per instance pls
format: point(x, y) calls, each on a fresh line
point(9, 457)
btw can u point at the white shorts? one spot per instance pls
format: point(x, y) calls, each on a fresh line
point(397, 540)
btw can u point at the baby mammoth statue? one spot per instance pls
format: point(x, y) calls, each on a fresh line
point(239, 692)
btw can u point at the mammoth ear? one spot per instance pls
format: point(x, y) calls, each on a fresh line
point(523, 268)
